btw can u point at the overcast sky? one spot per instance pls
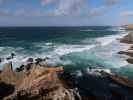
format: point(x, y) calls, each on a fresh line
point(65, 12)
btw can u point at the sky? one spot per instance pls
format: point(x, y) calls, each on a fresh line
point(65, 12)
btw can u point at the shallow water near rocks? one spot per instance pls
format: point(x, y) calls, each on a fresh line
point(75, 48)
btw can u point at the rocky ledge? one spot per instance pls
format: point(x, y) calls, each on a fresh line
point(129, 40)
point(41, 82)
point(37, 83)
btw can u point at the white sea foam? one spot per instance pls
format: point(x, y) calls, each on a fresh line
point(103, 41)
point(77, 73)
point(67, 49)
point(96, 71)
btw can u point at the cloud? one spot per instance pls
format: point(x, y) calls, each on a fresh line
point(126, 14)
point(79, 7)
point(111, 2)
point(5, 13)
point(45, 2)
point(66, 8)
point(69, 7)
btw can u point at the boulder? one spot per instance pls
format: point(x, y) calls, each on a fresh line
point(0, 60)
point(128, 38)
point(130, 27)
point(129, 53)
point(19, 69)
point(30, 60)
point(119, 80)
point(130, 60)
point(38, 60)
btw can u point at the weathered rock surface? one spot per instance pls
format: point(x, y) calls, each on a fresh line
point(48, 83)
point(130, 27)
point(38, 83)
point(130, 60)
point(128, 38)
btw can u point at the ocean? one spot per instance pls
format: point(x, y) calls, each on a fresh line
point(74, 48)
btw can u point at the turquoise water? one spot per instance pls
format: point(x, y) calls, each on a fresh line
point(75, 48)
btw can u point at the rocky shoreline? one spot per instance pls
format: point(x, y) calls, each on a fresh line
point(42, 82)
point(37, 81)
point(128, 39)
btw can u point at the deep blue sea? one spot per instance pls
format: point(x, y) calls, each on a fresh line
point(75, 48)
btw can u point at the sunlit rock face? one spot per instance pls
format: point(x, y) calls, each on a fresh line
point(38, 83)
point(128, 38)
point(130, 27)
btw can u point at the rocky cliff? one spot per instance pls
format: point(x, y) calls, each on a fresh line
point(128, 38)
point(38, 83)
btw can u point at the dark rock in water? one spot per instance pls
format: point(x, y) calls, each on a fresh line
point(126, 53)
point(30, 60)
point(130, 60)
point(38, 60)
point(21, 68)
point(46, 58)
point(122, 52)
point(128, 38)
point(13, 55)
point(119, 80)
point(0, 60)
point(8, 58)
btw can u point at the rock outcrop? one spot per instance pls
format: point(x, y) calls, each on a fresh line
point(130, 27)
point(38, 83)
point(128, 38)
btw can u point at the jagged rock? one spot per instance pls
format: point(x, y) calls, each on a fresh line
point(126, 53)
point(120, 80)
point(0, 60)
point(39, 83)
point(38, 60)
point(19, 69)
point(128, 38)
point(30, 60)
point(130, 27)
point(11, 56)
point(130, 60)
point(8, 74)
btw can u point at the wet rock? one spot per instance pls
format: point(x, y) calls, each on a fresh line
point(0, 60)
point(11, 56)
point(130, 60)
point(46, 58)
point(119, 80)
point(126, 53)
point(128, 38)
point(8, 58)
point(38, 60)
point(122, 52)
point(30, 60)
point(19, 69)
